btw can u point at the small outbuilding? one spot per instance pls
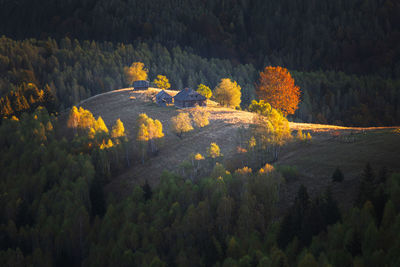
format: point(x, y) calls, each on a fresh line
point(163, 98)
point(189, 98)
point(141, 85)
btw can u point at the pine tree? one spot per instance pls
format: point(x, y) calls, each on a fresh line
point(366, 189)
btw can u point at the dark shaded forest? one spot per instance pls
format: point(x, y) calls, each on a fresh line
point(356, 36)
point(343, 54)
point(54, 211)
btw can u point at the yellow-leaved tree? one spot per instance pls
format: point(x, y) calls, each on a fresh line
point(204, 90)
point(162, 82)
point(181, 123)
point(96, 130)
point(73, 119)
point(118, 130)
point(149, 132)
point(228, 93)
point(100, 125)
point(135, 72)
point(271, 131)
point(200, 117)
point(214, 151)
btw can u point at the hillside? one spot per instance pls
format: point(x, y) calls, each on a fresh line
point(347, 147)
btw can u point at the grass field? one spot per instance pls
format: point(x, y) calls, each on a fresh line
point(332, 146)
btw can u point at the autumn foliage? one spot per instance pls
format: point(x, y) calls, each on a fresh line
point(135, 72)
point(276, 86)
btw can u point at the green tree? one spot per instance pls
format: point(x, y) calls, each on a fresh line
point(366, 188)
point(308, 261)
point(228, 93)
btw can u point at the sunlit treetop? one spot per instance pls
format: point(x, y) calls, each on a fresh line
point(276, 86)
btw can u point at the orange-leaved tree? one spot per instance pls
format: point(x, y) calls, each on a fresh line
point(276, 86)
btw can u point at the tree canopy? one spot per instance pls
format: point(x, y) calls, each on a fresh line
point(135, 72)
point(181, 123)
point(276, 86)
point(204, 90)
point(228, 93)
point(162, 82)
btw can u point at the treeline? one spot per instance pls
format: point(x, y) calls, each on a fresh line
point(342, 99)
point(54, 211)
point(353, 36)
point(26, 98)
point(75, 70)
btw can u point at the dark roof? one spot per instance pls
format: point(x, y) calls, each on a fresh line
point(188, 94)
point(163, 94)
point(140, 84)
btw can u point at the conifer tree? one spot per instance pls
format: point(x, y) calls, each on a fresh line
point(366, 188)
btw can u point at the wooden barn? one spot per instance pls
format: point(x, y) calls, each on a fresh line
point(163, 98)
point(141, 85)
point(189, 98)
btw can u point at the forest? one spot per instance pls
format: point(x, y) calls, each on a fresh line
point(74, 70)
point(55, 209)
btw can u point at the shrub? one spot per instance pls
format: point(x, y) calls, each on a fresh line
point(289, 172)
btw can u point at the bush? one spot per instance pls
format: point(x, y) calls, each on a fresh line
point(289, 172)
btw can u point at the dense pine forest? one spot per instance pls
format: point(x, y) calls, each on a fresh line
point(57, 160)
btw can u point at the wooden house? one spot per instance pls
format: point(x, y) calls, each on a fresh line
point(189, 98)
point(141, 85)
point(163, 98)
